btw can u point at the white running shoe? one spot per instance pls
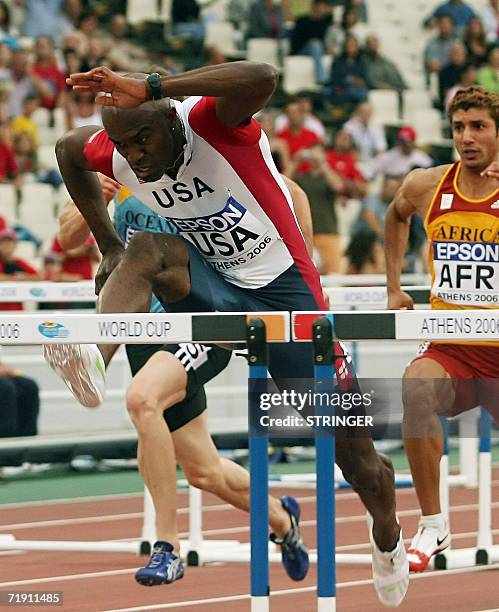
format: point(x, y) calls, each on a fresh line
point(390, 570)
point(82, 368)
point(428, 541)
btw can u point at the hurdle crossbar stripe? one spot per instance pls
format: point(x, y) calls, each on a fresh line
point(356, 297)
point(47, 291)
point(138, 328)
point(472, 325)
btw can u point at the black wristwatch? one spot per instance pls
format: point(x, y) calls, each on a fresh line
point(154, 82)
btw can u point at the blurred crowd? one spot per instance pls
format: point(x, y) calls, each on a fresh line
point(326, 137)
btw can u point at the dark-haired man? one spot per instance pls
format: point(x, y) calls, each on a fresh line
point(205, 165)
point(460, 205)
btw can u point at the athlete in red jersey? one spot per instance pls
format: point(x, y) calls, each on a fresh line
point(159, 148)
point(460, 205)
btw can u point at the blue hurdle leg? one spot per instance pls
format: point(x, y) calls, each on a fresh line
point(259, 468)
point(324, 462)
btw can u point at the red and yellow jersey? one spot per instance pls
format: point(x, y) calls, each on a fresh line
point(463, 239)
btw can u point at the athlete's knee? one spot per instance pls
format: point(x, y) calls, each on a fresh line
point(205, 477)
point(142, 407)
point(365, 469)
point(422, 395)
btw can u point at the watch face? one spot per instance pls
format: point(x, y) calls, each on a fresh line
point(154, 81)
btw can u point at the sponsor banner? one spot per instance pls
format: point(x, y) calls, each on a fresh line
point(47, 292)
point(466, 273)
point(137, 328)
point(473, 325)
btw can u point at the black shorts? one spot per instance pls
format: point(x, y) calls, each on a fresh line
point(210, 292)
point(201, 362)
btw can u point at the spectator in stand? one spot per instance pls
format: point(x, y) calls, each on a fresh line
point(459, 11)
point(308, 35)
point(278, 147)
point(67, 20)
point(187, 21)
point(24, 82)
point(40, 18)
point(5, 58)
point(84, 110)
point(342, 159)
point(79, 261)
point(124, 55)
point(488, 75)
point(27, 159)
point(381, 72)
point(9, 168)
point(400, 160)
point(45, 68)
point(19, 403)
point(296, 135)
point(365, 254)
point(52, 269)
point(321, 183)
point(3, 223)
point(374, 207)
point(8, 33)
point(24, 122)
point(368, 137)
point(451, 72)
point(437, 51)
point(358, 5)
point(5, 89)
point(87, 24)
point(348, 79)
point(490, 20)
point(13, 268)
point(467, 79)
point(265, 20)
point(312, 123)
point(475, 41)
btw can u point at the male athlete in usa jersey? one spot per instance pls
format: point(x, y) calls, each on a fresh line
point(205, 165)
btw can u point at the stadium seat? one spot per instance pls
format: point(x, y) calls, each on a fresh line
point(428, 125)
point(138, 11)
point(46, 156)
point(263, 50)
point(8, 200)
point(36, 211)
point(299, 74)
point(385, 103)
point(222, 35)
point(416, 99)
point(41, 117)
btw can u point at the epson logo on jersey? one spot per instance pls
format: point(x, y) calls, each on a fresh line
point(222, 221)
point(182, 191)
point(466, 251)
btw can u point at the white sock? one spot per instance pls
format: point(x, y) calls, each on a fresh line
point(433, 521)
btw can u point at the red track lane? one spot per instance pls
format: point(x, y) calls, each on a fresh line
point(111, 585)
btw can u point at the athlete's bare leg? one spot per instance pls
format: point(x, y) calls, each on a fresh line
point(372, 478)
point(206, 470)
point(151, 261)
point(159, 384)
point(427, 393)
point(329, 248)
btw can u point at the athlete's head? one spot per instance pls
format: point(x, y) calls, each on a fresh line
point(474, 117)
point(149, 137)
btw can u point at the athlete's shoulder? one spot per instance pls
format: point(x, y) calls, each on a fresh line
point(99, 150)
point(424, 181)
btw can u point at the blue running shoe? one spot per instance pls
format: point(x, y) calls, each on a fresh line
point(293, 550)
point(163, 568)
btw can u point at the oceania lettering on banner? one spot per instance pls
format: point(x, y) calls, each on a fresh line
point(134, 329)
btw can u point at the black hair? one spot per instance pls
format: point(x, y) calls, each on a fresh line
point(360, 248)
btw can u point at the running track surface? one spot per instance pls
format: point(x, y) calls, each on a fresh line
point(104, 581)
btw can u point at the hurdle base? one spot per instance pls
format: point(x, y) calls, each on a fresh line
point(326, 604)
point(9, 542)
point(466, 557)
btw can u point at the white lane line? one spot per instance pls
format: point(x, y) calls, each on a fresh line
point(72, 500)
point(15, 583)
point(212, 508)
point(340, 585)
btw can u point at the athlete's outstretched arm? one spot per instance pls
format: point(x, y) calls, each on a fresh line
point(397, 223)
point(86, 192)
point(242, 88)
